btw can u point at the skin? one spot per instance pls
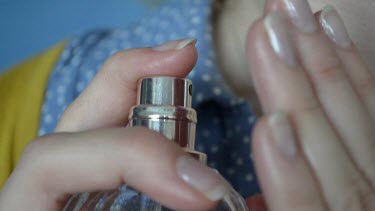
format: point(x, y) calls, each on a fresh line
point(237, 16)
point(313, 147)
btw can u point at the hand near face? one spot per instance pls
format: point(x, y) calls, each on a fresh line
point(314, 149)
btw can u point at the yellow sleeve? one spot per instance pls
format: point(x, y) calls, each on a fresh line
point(21, 96)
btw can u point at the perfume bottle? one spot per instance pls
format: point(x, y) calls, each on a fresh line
point(163, 105)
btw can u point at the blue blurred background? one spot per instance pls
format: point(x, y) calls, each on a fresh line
point(29, 27)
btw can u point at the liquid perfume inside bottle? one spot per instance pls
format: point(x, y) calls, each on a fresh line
point(163, 105)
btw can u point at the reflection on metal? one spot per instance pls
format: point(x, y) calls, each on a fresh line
point(164, 105)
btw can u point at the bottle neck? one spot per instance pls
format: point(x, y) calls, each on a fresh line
point(164, 105)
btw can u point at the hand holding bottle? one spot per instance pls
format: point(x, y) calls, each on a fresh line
point(91, 150)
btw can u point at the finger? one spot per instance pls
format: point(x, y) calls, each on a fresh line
point(285, 177)
point(359, 74)
point(103, 159)
point(256, 203)
point(107, 100)
point(335, 93)
point(284, 86)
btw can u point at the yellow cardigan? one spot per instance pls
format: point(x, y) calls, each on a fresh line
point(21, 96)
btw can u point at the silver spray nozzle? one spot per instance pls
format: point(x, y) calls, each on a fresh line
point(165, 91)
point(164, 105)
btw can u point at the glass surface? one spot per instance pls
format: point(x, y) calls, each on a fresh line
point(129, 199)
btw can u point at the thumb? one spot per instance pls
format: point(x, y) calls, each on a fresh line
point(107, 100)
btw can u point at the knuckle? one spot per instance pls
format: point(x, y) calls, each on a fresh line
point(32, 148)
point(126, 58)
point(356, 196)
point(35, 151)
point(118, 58)
point(329, 74)
point(303, 200)
point(120, 65)
point(366, 86)
point(311, 108)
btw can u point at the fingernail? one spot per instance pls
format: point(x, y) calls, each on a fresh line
point(283, 134)
point(279, 38)
point(334, 27)
point(301, 15)
point(175, 45)
point(200, 177)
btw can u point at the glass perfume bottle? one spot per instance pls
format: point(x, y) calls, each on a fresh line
point(163, 105)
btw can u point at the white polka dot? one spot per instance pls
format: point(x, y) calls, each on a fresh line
point(233, 102)
point(230, 171)
point(76, 61)
point(61, 100)
point(206, 133)
point(193, 10)
point(239, 161)
point(238, 128)
point(48, 119)
point(212, 164)
point(61, 89)
point(192, 33)
point(196, 20)
point(208, 36)
point(199, 97)
point(251, 119)
point(217, 91)
point(42, 132)
point(139, 30)
point(208, 63)
point(200, 148)
point(206, 77)
point(44, 108)
point(214, 148)
point(80, 86)
point(249, 177)
point(246, 139)
point(240, 100)
point(49, 94)
point(65, 55)
point(89, 74)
